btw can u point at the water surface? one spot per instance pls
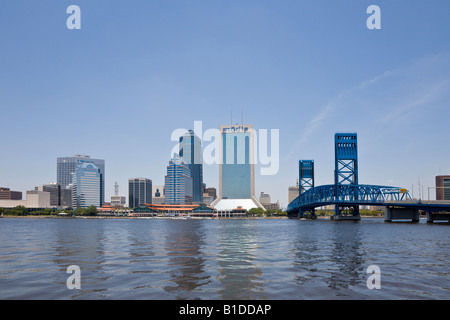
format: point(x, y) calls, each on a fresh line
point(271, 259)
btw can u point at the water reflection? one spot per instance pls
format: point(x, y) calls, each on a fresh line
point(221, 259)
point(306, 254)
point(237, 244)
point(80, 242)
point(347, 257)
point(186, 262)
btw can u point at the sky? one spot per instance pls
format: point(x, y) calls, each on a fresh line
point(137, 70)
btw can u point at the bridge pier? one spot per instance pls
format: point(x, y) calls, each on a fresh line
point(392, 213)
point(345, 218)
point(438, 216)
point(339, 213)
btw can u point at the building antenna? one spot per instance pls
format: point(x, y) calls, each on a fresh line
point(231, 117)
point(242, 117)
point(116, 189)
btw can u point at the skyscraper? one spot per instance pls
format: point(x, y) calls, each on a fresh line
point(236, 169)
point(178, 182)
point(86, 186)
point(191, 154)
point(66, 166)
point(139, 192)
point(264, 198)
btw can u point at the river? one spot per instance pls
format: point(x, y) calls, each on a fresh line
point(268, 259)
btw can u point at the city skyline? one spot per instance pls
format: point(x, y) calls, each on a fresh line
point(133, 74)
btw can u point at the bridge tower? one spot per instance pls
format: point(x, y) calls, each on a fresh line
point(345, 173)
point(306, 175)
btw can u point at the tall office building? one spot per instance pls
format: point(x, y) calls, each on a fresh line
point(86, 186)
point(66, 166)
point(442, 187)
point(139, 192)
point(264, 198)
point(178, 182)
point(236, 169)
point(191, 154)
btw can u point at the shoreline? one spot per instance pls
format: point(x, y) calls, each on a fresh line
point(162, 217)
point(125, 217)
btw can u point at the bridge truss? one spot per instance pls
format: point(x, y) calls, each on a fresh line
point(346, 195)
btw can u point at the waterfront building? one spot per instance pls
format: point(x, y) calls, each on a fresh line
point(191, 154)
point(272, 206)
point(59, 197)
point(139, 192)
point(211, 192)
point(209, 195)
point(236, 169)
point(66, 167)
point(38, 199)
point(264, 198)
point(443, 187)
point(35, 199)
point(178, 182)
point(7, 194)
point(118, 201)
point(159, 195)
point(294, 192)
point(86, 186)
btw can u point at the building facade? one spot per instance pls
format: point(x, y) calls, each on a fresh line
point(66, 166)
point(209, 195)
point(264, 199)
point(139, 192)
point(7, 194)
point(159, 195)
point(293, 192)
point(86, 186)
point(38, 199)
point(236, 169)
point(272, 206)
point(178, 182)
point(442, 187)
point(59, 197)
point(118, 201)
point(191, 154)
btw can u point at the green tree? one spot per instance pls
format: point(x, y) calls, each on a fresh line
point(256, 211)
point(91, 211)
point(20, 211)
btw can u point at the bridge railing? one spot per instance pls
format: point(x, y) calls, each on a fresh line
point(349, 194)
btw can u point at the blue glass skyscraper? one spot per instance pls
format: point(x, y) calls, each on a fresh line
point(66, 166)
point(236, 169)
point(86, 186)
point(191, 154)
point(178, 182)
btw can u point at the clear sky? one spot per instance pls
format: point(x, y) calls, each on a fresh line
point(137, 70)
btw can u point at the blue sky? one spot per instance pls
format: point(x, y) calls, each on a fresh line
point(137, 70)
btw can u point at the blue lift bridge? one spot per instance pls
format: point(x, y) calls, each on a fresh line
point(347, 195)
